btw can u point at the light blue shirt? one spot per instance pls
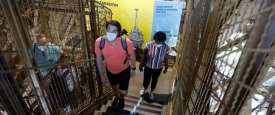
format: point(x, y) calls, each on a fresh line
point(270, 83)
point(49, 56)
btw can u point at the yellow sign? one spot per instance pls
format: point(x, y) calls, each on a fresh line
point(124, 12)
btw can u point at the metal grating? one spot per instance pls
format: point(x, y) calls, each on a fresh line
point(226, 53)
point(71, 86)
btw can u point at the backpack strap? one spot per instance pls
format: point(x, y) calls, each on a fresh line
point(101, 43)
point(125, 47)
point(124, 43)
point(101, 46)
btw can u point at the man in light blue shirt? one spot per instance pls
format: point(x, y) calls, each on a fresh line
point(45, 54)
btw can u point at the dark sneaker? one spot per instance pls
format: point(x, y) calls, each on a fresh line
point(152, 96)
point(115, 102)
point(121, 103)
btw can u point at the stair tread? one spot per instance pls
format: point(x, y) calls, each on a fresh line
point(145, 107)
point(134, 97)
point(143, 102)
point(141, 112)
point(144, 110)
point(103, 108)
point(109, 103)
point(112, 111)
point(98, 113)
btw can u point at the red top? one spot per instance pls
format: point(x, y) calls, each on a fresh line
point(114, 54)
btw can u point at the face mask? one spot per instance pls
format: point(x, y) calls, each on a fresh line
point(111, 36)
point(42, 48)
point(159, 45)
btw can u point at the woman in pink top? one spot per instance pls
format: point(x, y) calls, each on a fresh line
point(116, 61)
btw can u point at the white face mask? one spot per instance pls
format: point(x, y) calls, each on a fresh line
point(42, 48)
point(159, 45)
point(111, 36)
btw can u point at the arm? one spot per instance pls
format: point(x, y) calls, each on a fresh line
point(99, 62)
point(100, 66)
point(132, 56)
point(143, 59)
point(133, 63)
point(166, 61)
point(165, 64)
point(58, 53)
point(131, 52)
point(133, 60)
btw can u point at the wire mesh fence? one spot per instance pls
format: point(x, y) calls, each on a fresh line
point(10, 100)
point(226, 54)
point(67, 82)
point(17, 95)
point(102, 16)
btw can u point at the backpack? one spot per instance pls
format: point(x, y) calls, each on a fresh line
point(123, 43)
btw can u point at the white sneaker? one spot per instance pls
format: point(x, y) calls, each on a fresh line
point(152, 95)
point(68, 108)
point(142, 91)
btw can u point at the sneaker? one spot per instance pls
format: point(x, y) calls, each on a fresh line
point(152, 96)
point(67, 109)
point(142, 91)
point(115, 101)
point(121, 103)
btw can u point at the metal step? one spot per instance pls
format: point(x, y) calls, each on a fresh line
point(112, 111)
point(144, 109)
point(141, 112)
point(135, 99)
point(103, 108)
point(98, 113)
point(144, 103)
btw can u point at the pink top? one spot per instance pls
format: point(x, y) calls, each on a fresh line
point(114, 54)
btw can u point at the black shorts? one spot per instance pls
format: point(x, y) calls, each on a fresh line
point(122, 79)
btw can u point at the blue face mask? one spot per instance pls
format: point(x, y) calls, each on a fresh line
point(111, 36)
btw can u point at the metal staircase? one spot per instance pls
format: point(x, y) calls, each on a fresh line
point(131, 100)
